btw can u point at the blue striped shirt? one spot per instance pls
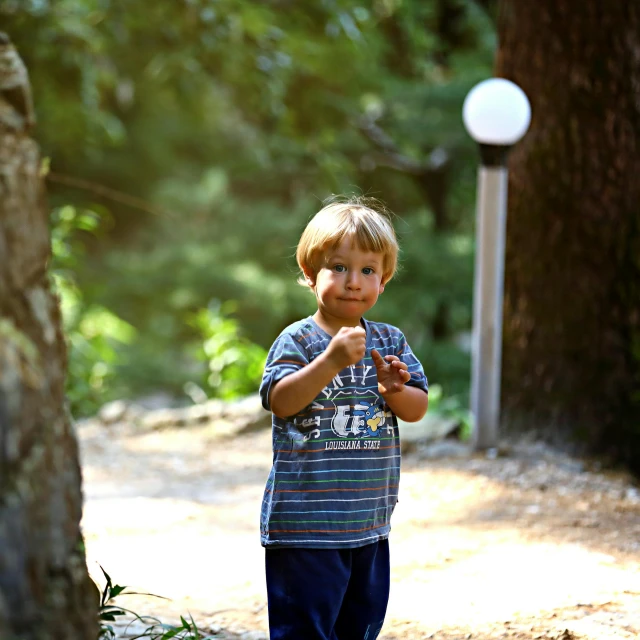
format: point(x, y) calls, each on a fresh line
point(336, 464)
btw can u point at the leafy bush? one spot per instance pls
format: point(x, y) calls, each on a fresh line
point(93, 332)
point(451, 407)
point(235, 365)
point(183, 348)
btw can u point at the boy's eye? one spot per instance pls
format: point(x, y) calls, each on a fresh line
point(340, 268)
point(367, 271)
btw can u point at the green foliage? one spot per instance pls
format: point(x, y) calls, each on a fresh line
point(103, 348)
point(93, 332)
point(235, 365)
point(451, 406)
point(108, 611)
point(237, 118)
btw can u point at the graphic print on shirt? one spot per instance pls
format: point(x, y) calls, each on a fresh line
point(373, 418)
point(359, 417)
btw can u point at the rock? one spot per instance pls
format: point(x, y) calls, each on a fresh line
point(248, 414)
point(204, 412)
point(233, 418)
point(112, 412)
point(444, 449)
point(160, 419)
point(632, 494)
point(432, 427)
point(254, 635)
point(156, 401)
point(491, 453)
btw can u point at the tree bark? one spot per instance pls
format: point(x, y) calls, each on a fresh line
point(45, 591)
point(571, 358)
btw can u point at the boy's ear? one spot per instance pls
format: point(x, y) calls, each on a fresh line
point(309, 276)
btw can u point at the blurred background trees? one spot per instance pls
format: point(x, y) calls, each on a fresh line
point(188, 144)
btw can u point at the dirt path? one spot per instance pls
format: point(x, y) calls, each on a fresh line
point(530, 546)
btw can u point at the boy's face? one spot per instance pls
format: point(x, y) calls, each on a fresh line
point(347, 284)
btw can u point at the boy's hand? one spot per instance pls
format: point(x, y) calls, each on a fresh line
point(347, 347)
point(392, 373)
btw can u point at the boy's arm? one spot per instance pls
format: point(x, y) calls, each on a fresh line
point(410, 404)
point(294, 392)
point(297, 390)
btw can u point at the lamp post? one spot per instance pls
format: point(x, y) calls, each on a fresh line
point(496, 113)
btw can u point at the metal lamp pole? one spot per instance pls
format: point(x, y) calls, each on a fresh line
point(497, 114)
point(488, 286)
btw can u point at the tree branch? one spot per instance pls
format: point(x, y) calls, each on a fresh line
point(430, 175)
point(106, 192)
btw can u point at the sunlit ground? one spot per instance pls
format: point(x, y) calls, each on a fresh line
point(510, 547)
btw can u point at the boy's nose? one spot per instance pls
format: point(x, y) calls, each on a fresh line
point(353, 281)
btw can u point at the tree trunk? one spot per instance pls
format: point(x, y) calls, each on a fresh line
point(45, 591)
point(572, 288)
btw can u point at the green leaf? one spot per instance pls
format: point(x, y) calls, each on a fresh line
point(117, 590)
point(112, 610)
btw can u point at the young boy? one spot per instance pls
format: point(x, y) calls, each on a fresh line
point(335, 383)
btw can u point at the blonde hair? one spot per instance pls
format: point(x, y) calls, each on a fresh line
point(370, 227)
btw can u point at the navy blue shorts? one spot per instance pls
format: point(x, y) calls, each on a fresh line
point(327, 594)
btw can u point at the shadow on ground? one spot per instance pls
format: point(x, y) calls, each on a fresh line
point(525, 546)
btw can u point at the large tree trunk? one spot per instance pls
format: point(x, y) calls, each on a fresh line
point(45, 591)
point(572, 284)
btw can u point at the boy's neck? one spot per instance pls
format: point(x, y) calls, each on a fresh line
point(333, 325)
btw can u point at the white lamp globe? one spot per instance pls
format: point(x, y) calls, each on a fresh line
point(496, 112)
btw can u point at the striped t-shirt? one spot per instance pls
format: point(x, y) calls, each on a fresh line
point(336, 464)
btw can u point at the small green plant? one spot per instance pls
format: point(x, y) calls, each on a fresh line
point(234, 364)
point(109, 612)
point(451, 407)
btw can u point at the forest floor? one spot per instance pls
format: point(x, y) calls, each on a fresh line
point(530, 545)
